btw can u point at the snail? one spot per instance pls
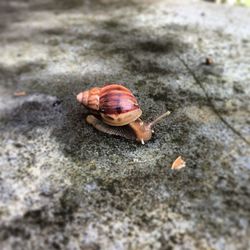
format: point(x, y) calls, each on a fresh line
point(116, 111)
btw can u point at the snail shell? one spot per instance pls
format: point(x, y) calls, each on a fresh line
point(115, 103)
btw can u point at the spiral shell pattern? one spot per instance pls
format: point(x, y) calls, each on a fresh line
point(116, 99)
point(115, 103)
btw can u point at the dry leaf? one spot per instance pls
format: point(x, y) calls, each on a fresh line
point(20, 93)
point(178, 164)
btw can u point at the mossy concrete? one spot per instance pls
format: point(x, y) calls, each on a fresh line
point(64, 185)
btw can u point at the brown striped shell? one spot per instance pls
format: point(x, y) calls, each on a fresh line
point(115, 103)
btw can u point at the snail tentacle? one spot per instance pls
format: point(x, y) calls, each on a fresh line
point(159, 118)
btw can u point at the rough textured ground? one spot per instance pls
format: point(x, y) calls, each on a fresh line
point(64, 185)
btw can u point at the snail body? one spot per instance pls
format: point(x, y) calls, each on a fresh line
point(116, 111)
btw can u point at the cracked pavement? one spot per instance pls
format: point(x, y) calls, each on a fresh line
point(64, 185)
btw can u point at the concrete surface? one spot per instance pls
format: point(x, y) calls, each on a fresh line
point(63, 185)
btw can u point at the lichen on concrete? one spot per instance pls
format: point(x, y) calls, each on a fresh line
point(64, 185)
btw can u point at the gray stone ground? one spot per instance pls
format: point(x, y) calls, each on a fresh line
point(63, 185)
